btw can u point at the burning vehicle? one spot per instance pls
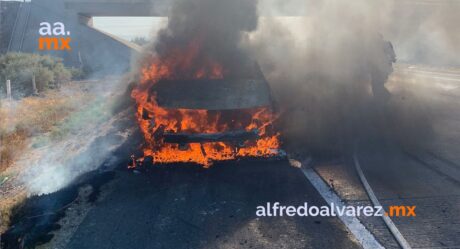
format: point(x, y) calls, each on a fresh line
point(200, 97)
point(205, 116)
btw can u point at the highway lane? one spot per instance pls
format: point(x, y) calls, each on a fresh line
point(191, 207)
point(414, 160)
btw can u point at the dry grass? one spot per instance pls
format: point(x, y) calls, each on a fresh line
point(12, 145)
point(8, 207)
point(21, 122)
point(31, 117)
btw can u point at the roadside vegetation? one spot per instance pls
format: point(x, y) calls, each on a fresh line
point(30, 115)
point(141, 41)
point(33, 114)
point(23, 123)
point(34, 123)
point(26, 70)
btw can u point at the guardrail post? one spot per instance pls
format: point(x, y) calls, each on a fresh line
point(34, 85)
point(8, 89)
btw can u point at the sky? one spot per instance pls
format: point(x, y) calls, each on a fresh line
point(130, 27)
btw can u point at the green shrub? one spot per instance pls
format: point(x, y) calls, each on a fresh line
point(77, 73)
point(20, 68)
point(141, 41)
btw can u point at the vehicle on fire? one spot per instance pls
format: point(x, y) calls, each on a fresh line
point(204, 120)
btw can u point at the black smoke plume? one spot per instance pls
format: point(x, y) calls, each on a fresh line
point(213, 28)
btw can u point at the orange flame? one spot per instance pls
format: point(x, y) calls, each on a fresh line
point(180, 63)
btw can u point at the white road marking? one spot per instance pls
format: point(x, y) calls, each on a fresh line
point(393, 229)
point(364, 237)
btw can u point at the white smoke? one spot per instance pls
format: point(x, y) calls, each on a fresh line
point(323, 62)
point(425, 32)
point(88, 138)
point(321, 65)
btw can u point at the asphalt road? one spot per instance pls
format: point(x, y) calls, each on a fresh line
point(414, 161)
point(424, 171)
point(190, 207)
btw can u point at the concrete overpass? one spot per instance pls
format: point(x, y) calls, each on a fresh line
point(92, 49)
